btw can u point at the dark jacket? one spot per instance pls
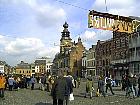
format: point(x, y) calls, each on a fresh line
point(61, 88)
point(43, 79)
point(101, 85)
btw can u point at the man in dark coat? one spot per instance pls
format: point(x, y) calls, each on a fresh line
point(61, 90)
point(108, 84)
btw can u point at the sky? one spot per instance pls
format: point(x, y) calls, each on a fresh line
point(30, 29)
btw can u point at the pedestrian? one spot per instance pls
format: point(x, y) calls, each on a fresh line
point(43, 82)
point(89, 86)
point(123, 82)
point(78, 81)
point(32, 82)
point(101, 84)
point(135, 85)
point(28, 79)
point(61, 89)
point(25, 82)
point(11, 82)
point(18, 81)
point(108, 84)
point(2, 85)
point(139, 86)
point(129, 85)
point(37, 79)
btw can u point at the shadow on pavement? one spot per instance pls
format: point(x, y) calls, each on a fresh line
point(41, 103)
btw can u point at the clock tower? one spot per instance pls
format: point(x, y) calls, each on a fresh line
point(65, 41)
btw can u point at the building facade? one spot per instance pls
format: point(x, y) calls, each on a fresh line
point(134, 53)
point(120, 54)
point(84, 64)
point(91, 62)
point(41, 65)
point(104, 57)
point(49, 67)
point(23, 69)
point(70, 56)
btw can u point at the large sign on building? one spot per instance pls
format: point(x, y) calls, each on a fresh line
point(111, 22)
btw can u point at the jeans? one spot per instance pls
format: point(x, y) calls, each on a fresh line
point(32, 87)
point(130, 89)
point(135, 91)
point(1, 93)
point(10, 87)
point(109, 85)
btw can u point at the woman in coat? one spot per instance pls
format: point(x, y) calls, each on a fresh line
point(89, 87)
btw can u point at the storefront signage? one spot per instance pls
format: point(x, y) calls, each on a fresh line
point(111, 22)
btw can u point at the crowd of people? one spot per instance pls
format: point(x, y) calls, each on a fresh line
point(61, 86)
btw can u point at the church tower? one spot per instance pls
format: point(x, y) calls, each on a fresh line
point(65, 41)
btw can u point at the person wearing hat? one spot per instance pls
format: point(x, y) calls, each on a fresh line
point(2, 85)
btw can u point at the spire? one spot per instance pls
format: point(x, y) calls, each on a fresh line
point(65, 33)
point(65, 25)
point(79, 39)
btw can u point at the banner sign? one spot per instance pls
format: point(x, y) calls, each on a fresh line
point(111, 22)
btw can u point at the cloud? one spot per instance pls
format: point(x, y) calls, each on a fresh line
point(49, 51)
point(3, 40)
point(45, 14)
point(88, 36)
point(26, 49)
point(91, 37)
point(23, 46)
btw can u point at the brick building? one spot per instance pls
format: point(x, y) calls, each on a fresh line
point(104, 57)
point(119, 54)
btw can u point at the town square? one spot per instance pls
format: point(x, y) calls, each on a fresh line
point(69, 52)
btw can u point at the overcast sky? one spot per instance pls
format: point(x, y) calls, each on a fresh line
point(29, 28)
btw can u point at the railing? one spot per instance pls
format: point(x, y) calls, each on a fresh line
point(132, 58)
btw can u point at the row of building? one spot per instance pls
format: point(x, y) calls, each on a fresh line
point(116, 56)
point(39, 67)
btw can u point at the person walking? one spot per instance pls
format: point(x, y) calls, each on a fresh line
point(101, 84)
point(78, 81)
point(43, 82)
point(129, 85)
point(61, 89)
point(123, 82)
point(139, 86)
point(108, 84)
point(89, 86)
point(135, 86)
point(2, 85)
point(32, 82)
point(11, 82)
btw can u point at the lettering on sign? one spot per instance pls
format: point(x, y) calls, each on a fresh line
point(111, 22)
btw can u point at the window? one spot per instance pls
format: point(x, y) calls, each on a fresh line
point(27, 71)
point(94, 63)
point(23, 71)
point(20, 72)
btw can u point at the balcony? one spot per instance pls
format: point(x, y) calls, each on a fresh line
point(134, 43)
point(132, 58)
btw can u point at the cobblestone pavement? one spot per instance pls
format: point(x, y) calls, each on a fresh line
point(38, 97)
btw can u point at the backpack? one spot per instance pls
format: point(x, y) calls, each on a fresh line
point(108, 80)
